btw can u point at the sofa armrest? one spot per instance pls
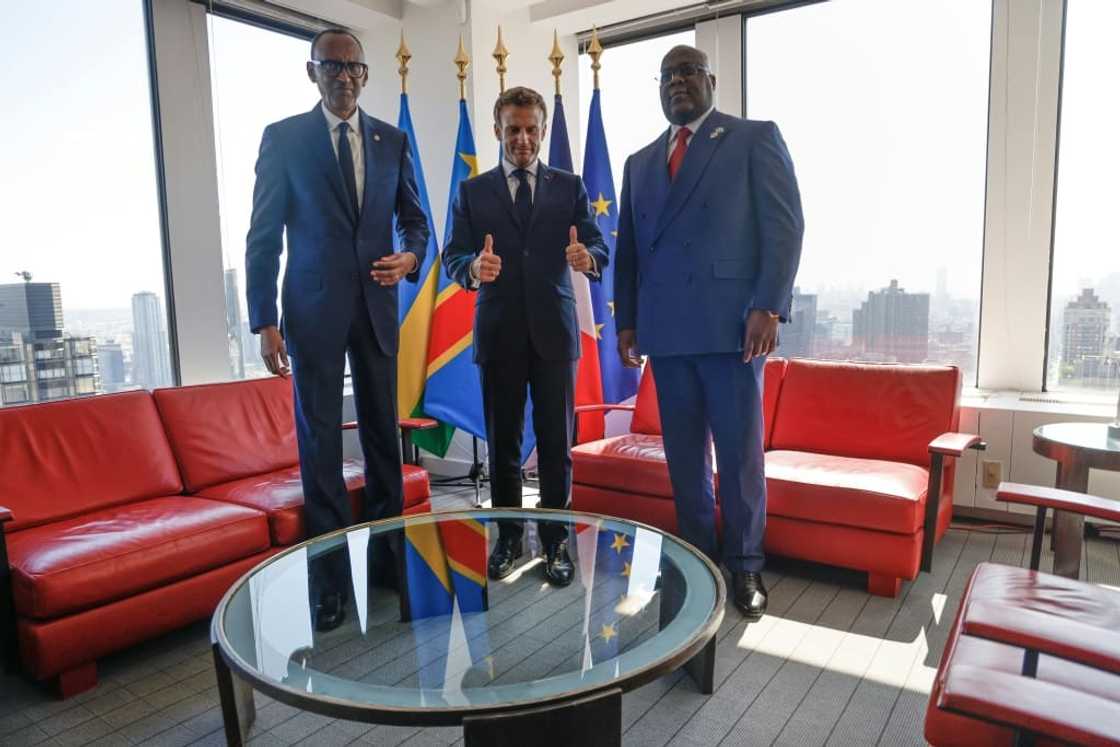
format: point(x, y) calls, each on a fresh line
point(417, 424)
point(1061, 500)
point(5, 514)
point(607, 407)
point(945, 445)
point(1045, 634)
point(1032, 705)
point(955, 444)
point(9, 642)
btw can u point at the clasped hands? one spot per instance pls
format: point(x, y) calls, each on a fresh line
point(392, 267)
point(576, 254)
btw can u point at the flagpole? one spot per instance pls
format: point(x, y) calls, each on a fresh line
point(403, 56)
point(556, 57)
point(595, 51)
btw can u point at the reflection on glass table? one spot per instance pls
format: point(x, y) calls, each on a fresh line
point(426, 638)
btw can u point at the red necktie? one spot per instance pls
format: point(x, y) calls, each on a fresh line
point(677, 157)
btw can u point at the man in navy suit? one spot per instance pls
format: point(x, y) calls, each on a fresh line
point(518, 232)
point(334, 178)
point(709, 240)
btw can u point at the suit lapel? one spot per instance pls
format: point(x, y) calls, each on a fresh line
point(497, 180)
point(323, 152)
point(700, 151)
point(656, 176)
point(540, 194)
point(373, 151)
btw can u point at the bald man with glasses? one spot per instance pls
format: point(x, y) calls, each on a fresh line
point(334, 179)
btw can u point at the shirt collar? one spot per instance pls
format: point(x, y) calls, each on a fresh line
point(333, 119)
point(693, 126)
point(508, 167)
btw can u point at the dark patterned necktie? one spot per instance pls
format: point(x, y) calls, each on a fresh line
point(523, 200)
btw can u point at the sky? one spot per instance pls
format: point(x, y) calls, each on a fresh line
point(890, 157)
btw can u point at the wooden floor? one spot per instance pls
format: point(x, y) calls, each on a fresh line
point(829, 664)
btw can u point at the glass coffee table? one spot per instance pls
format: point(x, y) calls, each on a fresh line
point(427, 639)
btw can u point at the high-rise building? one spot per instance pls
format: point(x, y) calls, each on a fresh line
point(38, 361)
point(110, 358)
point(34, 310)
point(151, 365)
point(892, 325)
point(1084, 329)
point(233, 325)
point(796, 338)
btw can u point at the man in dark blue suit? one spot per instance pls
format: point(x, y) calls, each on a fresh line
point(334, 178)
point(709, 240)
point(519, 231)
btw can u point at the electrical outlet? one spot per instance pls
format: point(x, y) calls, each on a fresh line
point(993, 474)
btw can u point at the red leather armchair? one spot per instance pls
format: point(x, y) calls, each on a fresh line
point(1031, 656)
point(852, 453)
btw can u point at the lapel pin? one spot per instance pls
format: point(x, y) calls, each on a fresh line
point(716, 133)
point(376, 138)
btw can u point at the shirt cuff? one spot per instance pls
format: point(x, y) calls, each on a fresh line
point(476, 263)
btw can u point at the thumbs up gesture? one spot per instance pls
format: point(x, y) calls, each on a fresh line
point(489, 264)
point(579, 259)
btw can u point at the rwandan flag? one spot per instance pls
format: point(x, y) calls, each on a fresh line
point(589, 388)
point(620, 384)
point(416, 301)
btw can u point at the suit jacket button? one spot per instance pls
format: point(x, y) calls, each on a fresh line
point(526, 252)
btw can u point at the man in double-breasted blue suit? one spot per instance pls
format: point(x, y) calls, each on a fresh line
point(333, 178)
point(518, 232)
point(709, 240)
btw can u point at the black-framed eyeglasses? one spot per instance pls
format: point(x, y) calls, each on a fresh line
point(333, 68)
point(687, 70)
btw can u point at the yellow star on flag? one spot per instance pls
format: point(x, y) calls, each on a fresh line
point(607, 632)
point(610, 305)
point(626, 570)
point(602, 205)
point(615, 234)
point(471, 161)
point(620, 542)
point(598, 331)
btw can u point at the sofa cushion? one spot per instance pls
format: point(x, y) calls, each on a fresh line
point(647, 416)
point(865, 493)
point(863, 410)
point(279, 494)
point(62, 459)
point(224, 432)
point(634, 462)
point(110, 554)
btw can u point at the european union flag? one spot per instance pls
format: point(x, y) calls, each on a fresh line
point(619, 383)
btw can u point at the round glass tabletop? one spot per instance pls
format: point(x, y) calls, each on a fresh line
point(1087, 436)
point(422, 630)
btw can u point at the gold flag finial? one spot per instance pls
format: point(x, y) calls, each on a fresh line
point(556, 56)
point(403, 56)
point(500, 54)
point(595, 51)
point(462, 60)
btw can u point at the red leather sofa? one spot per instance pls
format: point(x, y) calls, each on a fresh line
point(852, 452)
point(1031, 657)
point(125, 516)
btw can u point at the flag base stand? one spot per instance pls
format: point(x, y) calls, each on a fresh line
point(475, 477)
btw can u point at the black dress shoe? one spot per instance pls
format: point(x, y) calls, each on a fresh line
point(750, 594)
point(505, 553)
point(329, 612)
point(558, 568)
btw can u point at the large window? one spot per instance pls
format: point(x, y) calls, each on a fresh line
point(630, 96)
point(257, 77)
point(1084, 351)
point(883, 104)
point(79, 203)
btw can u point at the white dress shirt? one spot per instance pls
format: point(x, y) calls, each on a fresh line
point(693, 127)
point(355, 137)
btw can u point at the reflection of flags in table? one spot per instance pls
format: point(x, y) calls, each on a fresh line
point(445, 561)
point(605, 558)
